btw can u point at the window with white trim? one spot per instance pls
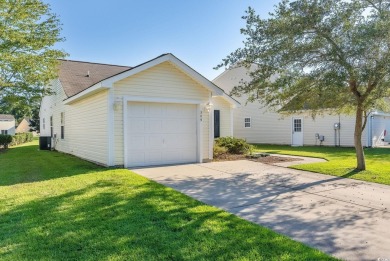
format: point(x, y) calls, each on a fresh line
point(43, 123)
point(51, 126)
point(62, 125)
point(247, 122)
point(4, 132)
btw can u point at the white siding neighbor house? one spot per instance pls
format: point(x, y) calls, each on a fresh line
point(257, 124)
point(7, 124)
point(159, 112)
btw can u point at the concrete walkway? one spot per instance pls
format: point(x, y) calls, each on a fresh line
point(346, 218)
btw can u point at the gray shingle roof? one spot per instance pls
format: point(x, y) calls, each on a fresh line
point(74, 77)
point(7, 117)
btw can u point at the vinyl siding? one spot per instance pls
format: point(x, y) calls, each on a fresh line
point(9, 126)
point(161, 81)
point(85, 126)
point(378, 125)
point(324, 125)
point(225, 115)
point(270, 127)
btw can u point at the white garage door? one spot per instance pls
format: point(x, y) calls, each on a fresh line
point(161, 133)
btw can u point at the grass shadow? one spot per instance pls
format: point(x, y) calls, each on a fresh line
point(24, 164)
point(126, 217)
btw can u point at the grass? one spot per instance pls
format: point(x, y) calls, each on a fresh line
point(340, 161)
point(58, 207)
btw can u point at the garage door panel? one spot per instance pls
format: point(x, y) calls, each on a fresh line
point(166, 134)
point(137, 157)
point(155, 110)
point(179, 126)
point(154, 126)
point(137, 126)
point(137, 110)
point(137, 142)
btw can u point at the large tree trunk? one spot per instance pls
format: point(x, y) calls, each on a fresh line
point(361, 162)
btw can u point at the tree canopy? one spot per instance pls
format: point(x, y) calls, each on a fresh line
point(28, 59)
point(325, 54)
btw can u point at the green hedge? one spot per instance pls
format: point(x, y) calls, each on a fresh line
point(233, 145)
point(5, 140)
point(21, 138)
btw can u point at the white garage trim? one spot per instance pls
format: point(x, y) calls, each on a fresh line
point(211, 132)
point(127, 99)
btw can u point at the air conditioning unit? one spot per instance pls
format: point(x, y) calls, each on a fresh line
point(45, 143)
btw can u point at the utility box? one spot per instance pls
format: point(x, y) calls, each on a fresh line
point(45, 143)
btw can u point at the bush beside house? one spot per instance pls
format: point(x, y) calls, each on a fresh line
point(5, 140)
point(13, 140)
point(231, 145)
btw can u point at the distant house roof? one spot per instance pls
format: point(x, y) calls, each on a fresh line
point(7, 117)
point(76, 76)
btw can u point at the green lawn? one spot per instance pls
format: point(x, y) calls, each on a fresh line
point(57, 207)
point(341, 161)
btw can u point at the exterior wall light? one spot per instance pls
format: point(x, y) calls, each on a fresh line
point(208, 106)
point(117, 105)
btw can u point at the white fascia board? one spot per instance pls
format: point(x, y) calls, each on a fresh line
point(91, 90)
point(233, 102)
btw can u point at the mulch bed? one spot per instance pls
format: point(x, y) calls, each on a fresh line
point(267, 160)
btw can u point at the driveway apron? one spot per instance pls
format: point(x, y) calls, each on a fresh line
point(346, 218)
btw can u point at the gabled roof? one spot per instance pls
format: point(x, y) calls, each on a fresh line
point(113, 73)
point(8, 117)
point(77, 76)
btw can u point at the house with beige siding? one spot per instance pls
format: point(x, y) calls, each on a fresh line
point(258, 124)
point(159, 112)
point(23, 126)
point(7, 124)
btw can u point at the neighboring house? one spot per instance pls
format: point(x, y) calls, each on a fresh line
point(159, 112)
point(7, 124)
point(24, 126)
point(257, 124)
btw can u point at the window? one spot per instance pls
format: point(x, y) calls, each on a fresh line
point(4, 132)
point(51, 126)
point(43, 123)
point(62, 125)
point(297, 125)
point(247, 122)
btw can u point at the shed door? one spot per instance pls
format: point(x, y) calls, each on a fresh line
point(297, 132)
point(161, 133)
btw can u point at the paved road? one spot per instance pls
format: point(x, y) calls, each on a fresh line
point(346, 218)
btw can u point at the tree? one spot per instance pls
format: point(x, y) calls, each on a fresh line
point(326, 54)
point(28, 59)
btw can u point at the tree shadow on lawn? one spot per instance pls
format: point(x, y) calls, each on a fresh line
point(277, 201)
point(104, 220)
point(25, 164)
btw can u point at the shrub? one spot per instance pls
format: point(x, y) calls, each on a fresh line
point(233, 145)
point(218, 151)
point(5, 140)
point(21, 138)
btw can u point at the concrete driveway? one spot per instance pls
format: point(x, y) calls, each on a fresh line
point(346, 218)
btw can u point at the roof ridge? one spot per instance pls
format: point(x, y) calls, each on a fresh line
point(78, 61)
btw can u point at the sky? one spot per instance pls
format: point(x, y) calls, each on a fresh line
point(126, 32)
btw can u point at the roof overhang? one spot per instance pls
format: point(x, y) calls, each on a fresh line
point(87, 92)
point(233, 102)
point(109, 82)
